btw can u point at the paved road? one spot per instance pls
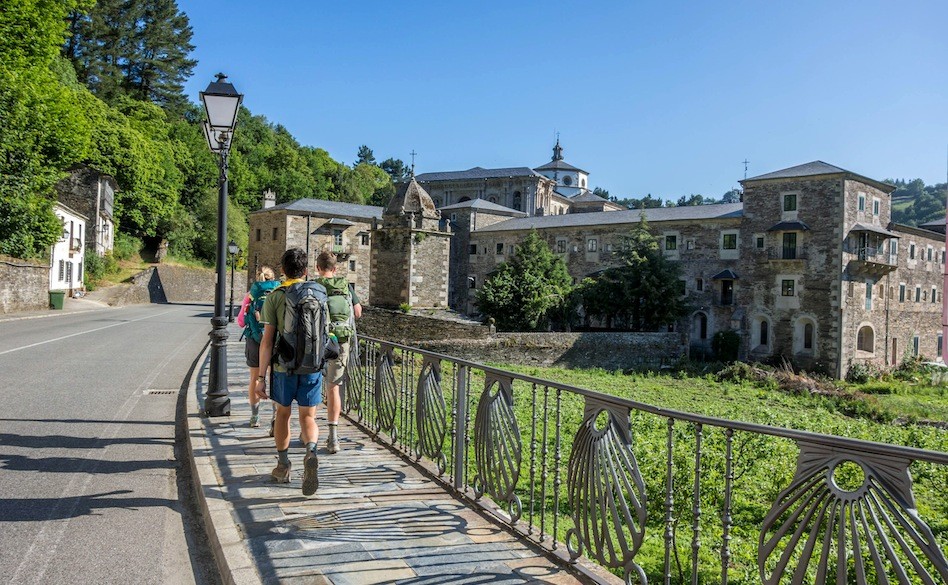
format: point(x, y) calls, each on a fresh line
point(92, 486)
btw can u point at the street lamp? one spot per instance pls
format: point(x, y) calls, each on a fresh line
point(233, 250)
point(221, 103)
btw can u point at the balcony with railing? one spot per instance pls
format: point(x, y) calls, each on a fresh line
point(787, 253)
point(586, 474)
point(871, 260)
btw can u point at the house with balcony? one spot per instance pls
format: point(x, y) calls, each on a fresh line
point(91, 193)
point(67, 257)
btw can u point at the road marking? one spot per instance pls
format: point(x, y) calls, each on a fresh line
point(51, 533)
point(82, 333)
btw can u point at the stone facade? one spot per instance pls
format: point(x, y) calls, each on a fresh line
point(411, 252)
point(91, 193)
point(809, 267)
point(520, 189)
point(24, 286)
point(315, 225)
point(416, 326)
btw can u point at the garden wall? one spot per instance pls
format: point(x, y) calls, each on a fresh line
point(412, 327)
point(24, 285)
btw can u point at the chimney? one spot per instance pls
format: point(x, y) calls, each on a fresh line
point(269, 199)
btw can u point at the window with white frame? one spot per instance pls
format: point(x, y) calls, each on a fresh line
point(790, 202)
point(561, 246)
point(861, 202)
point(592, 245)
point(901, 292)
point(671, 242)
point(729, 241)
point(787, 288)
point(876, 205)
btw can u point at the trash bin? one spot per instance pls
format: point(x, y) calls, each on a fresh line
point(56, 299)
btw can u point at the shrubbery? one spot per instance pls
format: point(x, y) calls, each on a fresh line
point(725, 345)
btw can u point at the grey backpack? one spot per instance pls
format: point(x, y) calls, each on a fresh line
point(302, 346)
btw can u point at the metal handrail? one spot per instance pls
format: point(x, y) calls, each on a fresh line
point(397, 390)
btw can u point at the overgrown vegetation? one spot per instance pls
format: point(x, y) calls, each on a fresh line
point(101, 84)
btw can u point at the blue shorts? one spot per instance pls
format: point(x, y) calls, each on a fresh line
point(305, 389)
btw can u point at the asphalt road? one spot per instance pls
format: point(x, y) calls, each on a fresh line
point(93, 488)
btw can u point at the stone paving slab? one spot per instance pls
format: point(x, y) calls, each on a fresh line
point(375, 518)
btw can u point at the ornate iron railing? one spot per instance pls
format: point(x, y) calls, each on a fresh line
point(610, 477)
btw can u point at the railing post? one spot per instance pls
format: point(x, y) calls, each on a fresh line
point(460, 426)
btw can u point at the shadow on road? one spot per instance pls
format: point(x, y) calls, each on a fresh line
point(42, 509)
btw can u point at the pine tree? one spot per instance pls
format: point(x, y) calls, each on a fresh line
point(527, 291)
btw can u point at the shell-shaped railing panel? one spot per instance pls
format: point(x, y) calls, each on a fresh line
point(848, 517)
point(605, 491)
point(431, 414)
point(386, 391)
point(498, 447)
point(355, 382)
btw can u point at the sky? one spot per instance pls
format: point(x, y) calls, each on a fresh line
point(666, 97)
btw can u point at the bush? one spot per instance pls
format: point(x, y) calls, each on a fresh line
point(725, 345)
point(914, 369)
point(404, 307)
point(98, 267)
point(862, 372)
point(126, 246)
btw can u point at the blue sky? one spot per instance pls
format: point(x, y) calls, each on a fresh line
point(649, 97)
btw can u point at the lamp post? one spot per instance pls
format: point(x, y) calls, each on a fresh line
point(233, 250)
point(221, 103)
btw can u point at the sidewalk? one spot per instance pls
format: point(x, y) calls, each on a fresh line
point(70, 306)
point(376, 518)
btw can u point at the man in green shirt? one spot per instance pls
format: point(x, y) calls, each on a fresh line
point(305, 389)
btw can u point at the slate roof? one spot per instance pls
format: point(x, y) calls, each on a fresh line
point(937, 225)
point(726, 274)
point(863, 227)
point(486, 206)
point(589, 196)
point(558, 165)
point(815, 168)
point(601, 218)
point(322, 206)
point(477, 173)
point(789, 226)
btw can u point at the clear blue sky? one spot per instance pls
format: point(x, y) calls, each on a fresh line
point(663, 97)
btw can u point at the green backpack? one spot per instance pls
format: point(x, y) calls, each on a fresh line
point(341, 323)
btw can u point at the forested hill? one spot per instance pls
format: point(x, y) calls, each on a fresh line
point(914, 202)
point(81, 85)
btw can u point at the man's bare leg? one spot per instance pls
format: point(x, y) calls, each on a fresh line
point(333, 409)
point(281, 438)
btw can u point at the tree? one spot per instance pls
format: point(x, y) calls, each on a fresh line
point(601, 192)
point(395, 168)
point(646, 202)
point(643, 293)
point(365, 156)
point(527, 290)
point(733, 196)
point(134, 47)
point(694, 199)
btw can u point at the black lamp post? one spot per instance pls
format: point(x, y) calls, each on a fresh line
point(233, 250)
point(221, 103)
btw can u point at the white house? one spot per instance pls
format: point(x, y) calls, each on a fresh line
point(67, 258)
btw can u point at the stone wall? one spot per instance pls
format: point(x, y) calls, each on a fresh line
point(418, 326)
point(610, 351)
point(179, 284)
point(24, 285)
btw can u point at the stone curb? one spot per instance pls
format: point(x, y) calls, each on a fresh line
point(234, 562)
point(54, 313)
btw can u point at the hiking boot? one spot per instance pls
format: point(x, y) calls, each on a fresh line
point(272, 424)
point(254, 421)
point(281, 473)
point(332, 445)
point(310, 479)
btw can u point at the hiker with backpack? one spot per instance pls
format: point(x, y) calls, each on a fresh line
point(295, 321)
point(249, 319)
point(344, 309)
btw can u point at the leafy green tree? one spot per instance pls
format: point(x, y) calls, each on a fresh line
point(733, 196)
point(646, 202)
point(643, 293)
point(527, 290)
point(365, 156)
point(601, 192)
point(42, 130)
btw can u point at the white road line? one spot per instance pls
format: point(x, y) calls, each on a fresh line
point(51, 533)
point(82, 333)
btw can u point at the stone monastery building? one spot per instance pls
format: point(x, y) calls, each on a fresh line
point(809, 266)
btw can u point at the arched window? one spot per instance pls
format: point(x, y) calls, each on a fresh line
point(492, 199)
point(582, 183)
point(764, 333)
point(700, 326)
point(865, 339)
point(518, 201)
point(808, 336)
point(463, 199)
